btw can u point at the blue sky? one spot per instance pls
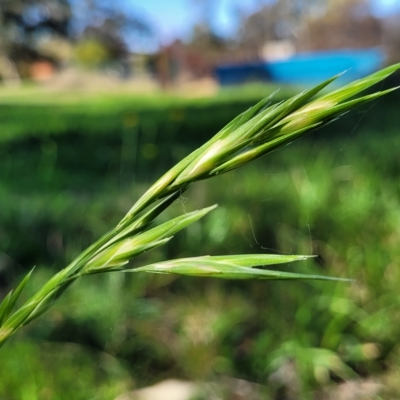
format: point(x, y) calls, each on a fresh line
point(385, 7)
point(175, 18)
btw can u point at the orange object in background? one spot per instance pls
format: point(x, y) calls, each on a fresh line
point(41, 70)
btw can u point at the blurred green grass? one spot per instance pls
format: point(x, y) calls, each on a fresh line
point(69, 171)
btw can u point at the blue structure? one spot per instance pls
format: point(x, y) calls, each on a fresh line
point(306, 68)
point(242, 73)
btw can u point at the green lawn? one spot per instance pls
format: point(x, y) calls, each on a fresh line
point(71, 167)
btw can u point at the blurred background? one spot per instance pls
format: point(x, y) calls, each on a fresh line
point(98, 98)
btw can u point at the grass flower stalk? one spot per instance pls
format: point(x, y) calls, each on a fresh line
point(261, 129)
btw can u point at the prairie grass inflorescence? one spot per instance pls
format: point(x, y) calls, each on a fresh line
point(261, 129)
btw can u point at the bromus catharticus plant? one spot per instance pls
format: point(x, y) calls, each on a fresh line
point(258, 131)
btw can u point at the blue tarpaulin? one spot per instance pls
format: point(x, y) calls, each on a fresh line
point(306, 68)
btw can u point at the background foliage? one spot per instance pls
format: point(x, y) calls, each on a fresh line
point(71, 168)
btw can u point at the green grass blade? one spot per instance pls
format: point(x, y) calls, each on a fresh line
point(360, 85)
point(252, 260)
point(258, 151)
point(119, 255)
point(12, 297)
point(5, 308)
point(145, 220)
point(169, 228)
point(244, 117)
point(323, 114)
point(125, 249)
point(230, 269)
point(293, 104)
